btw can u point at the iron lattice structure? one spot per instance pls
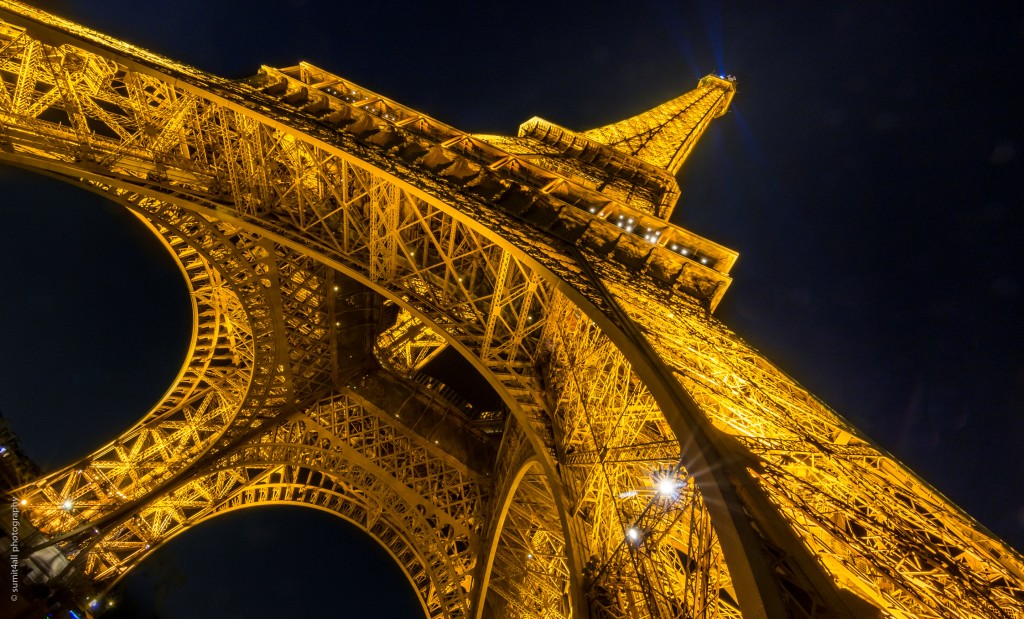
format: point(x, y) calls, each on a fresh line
point(648, 463)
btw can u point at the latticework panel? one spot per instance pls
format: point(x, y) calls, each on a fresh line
point(408, 345)
point(587, 315)
point(878, 530)
point(346, 456)
point(653, 550)
point(665, 135)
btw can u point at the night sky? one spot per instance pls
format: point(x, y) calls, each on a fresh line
point(869, 174)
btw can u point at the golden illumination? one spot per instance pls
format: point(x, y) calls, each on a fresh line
point(547, 260)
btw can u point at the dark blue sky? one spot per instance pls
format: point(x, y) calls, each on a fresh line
point(869, 175)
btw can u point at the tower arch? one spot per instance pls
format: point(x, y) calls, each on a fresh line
point(525, 571)
point(345, 456)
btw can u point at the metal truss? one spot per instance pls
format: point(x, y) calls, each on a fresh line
point(653, 550)
point(877, 529)
point(222, 371)
point(408, 345)
point(665, 136)
point(343, 455)
point(529, 573)
point(653, 464)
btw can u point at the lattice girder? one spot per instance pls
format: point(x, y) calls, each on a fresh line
point(466, 238)
point(237, 374)
point(665, 136)
point(871, 523)
point(346, 456)
point(408, 345)
point(231, 359)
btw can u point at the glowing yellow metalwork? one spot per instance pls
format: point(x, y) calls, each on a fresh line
point(653, 464)
point(665, 135)
point(408, 345)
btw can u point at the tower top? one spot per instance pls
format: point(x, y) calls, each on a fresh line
point(634, 160)
point(665, 135)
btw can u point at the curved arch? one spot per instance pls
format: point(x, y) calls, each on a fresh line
point(343, 454)
point(404, 531)
point(502, 503)
point(337, 508)
point(193, 412)
point(529, 555)
point(667, 399)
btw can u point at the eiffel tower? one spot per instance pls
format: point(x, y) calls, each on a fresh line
point(646, 462)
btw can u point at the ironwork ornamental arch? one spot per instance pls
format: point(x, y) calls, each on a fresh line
point(342, 454)
point(525, 571)
point(312, 460)
point(599, 339)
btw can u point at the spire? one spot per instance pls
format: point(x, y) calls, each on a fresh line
point(665, 135)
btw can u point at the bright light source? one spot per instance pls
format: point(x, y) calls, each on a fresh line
point(94, 603)
point(633, 533)
point(667, 486)
point(703, 260)
point(24, 502)
point(67, 505)
point(529, 555)
point(628, 494)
